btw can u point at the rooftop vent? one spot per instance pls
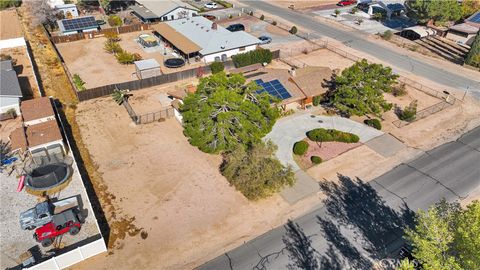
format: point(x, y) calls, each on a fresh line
point(214, 26)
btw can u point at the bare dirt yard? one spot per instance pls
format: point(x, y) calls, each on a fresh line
point(96, 67)
point(171, 190)
point(302, 4)
point(321, 57)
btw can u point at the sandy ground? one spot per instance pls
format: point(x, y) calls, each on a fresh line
point(302, 4)
point(153, 170)
point(97, 67)
point(23, 67)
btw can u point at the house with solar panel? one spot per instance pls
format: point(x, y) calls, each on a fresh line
point(78, 25)
point(198, 37)
point(465, 32)
point(154, 11)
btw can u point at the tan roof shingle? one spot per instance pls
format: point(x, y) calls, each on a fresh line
point(37, 108)
point(180, 41)
point(43, 133)
point(18, 139)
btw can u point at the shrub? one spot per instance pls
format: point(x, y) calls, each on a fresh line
point(375, 123)
point(252, 57)
point(337, 12)
point(409, 113)
point(112, 36)
point(331, 135)
point(111, 46)
point(114, 21)
point(250, 13)
point(12, 112)
point(300, 148)
point(79, 83)
point(262, 17)
point(224, 3)
point(316, 159)
point(126, 58)
point(399, 90)
point(354, 10)
point(274, 23)
point(387, 35)
point(293, 30)
point(316, 100)
point(217, 67)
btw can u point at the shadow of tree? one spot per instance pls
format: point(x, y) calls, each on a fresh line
point(357, 205)
point(299, 247)
point(340, 243)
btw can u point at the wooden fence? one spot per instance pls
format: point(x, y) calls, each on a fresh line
point(99, 33)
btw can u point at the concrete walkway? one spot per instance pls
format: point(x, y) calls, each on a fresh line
point(291, 129)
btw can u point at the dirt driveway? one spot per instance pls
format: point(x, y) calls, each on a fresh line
point(174, 191)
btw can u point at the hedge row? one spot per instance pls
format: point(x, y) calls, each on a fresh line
point(375, 123)
point(331, 135)
point(300, 148)
point(252, 57)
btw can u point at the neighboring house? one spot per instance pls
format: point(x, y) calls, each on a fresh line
point(165, 10)
point(44, 135)
point(37, 111)
point(10, 92)
point(11, 34)
point(77, 25)
point(199, 37)
point(417, 32)
point(465, 32)
point(70, 11)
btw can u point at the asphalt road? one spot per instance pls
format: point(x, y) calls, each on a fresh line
point(360, 223)
point(355, 40)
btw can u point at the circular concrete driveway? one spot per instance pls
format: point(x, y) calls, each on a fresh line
point(291, 129)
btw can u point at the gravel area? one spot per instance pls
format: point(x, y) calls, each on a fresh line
point(13, 240)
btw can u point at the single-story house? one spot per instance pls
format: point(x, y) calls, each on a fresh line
point(462, 33)
point(312, 81)
point(165, 10)
point(10, 92)
point(147, 68)
point(70, 11)
point(417, 32)
point(36, 111)
point(77, 25)
point(199, 37)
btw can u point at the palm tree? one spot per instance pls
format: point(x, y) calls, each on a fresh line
point(119, 96)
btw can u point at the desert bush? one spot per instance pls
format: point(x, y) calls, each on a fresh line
point(337, 12)
point(79, 83)
point(252, 57)
point(316, 100)
point(262, 17)
point(293, 30)
point(399, 90)
point(114, 21)
point(387, 35)
point(126, 58)
point(331, 135)
point(316, 159)
point(112, 36)
point(354, 10)
point(375, 123)
point(111, 46)
point(216, 67)
point(224, 3)
point(274, 23)
point(409, 113)
point(12, 112)
point(300, 148)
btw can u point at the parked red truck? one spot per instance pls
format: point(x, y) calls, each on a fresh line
point(69, 221)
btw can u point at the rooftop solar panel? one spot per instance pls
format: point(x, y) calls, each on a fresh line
point(79, 23)
point(274, 88)
point(475, 18)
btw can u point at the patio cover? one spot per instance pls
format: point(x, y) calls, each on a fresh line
point(177, 39)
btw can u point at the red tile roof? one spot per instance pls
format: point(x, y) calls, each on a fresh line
point(37, 108)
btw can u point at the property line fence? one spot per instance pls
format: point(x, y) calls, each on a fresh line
point(425, 113)
point(99, 33)
point(151, 117)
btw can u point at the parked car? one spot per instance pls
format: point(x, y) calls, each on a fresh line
point(43, 212)
point(265, 39)
point(210, 5)
point(236, 27)
point(69, 221)
point(346, 3)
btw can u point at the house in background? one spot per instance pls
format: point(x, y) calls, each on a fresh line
point(165, 10)
point(37, 111)
point(78, 25)
point(11, 34)
point(10, 92)
point(465, 32)
point(70, 11)
point(199, 37)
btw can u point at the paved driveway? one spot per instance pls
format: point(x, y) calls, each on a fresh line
point(291, 129)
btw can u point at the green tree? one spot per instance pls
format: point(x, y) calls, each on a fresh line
point(447, 236)
point(255, 171)
point(9, 3)
point(225, 111)
point(114, 21)
point(359, 89)
point(441, 11)
point(409, 113)
point(216, 67)
point(406, 264)
point(473, 57)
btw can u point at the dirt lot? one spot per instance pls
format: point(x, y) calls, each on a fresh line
point(302, 4)
point(322, 58)
point(23, 67)
point(97, 67)
point(187, 208)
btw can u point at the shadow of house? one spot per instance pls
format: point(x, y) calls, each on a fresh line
point(356, 204)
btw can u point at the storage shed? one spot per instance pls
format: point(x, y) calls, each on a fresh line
point(147, 68)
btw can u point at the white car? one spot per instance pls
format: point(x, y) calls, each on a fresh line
point(210, 5)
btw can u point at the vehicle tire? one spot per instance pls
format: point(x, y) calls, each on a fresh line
point(59, 227)
point(74, 230)
point(30, 228)
point(47, 242)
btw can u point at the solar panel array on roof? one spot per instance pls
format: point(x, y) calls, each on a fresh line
point(475, 18)
point(79, 23)
point(274, 88)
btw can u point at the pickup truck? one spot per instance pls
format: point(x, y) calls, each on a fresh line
point(43, 212)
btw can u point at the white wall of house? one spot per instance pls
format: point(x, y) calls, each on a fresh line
point(211, 57)
point(179, 13)
point(461, 38)
point(39, 121)
point(65, 9)
point(12, 43)
point(7, 103)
